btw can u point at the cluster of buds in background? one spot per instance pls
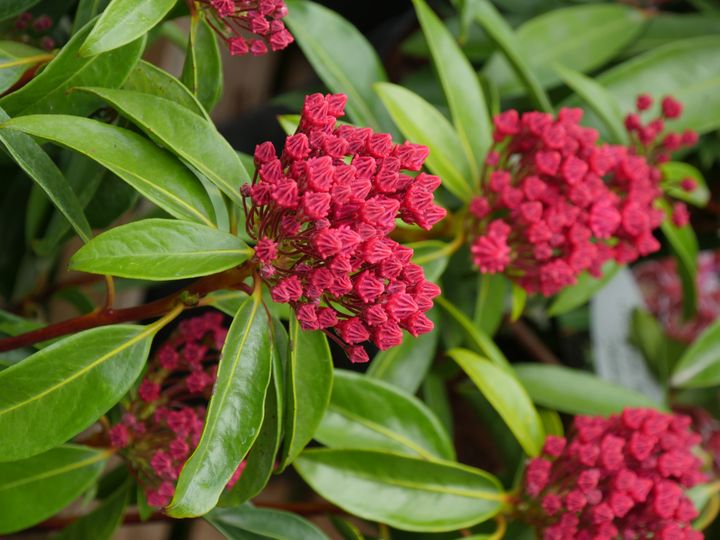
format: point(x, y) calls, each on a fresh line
point(34, 30)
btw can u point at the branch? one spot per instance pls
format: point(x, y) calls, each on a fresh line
point(531, 342)
point(230, 279)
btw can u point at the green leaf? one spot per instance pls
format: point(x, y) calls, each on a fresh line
point(249, 523)
point(11, 8)
point(699, 367)
point(49, 91)
point(406, 365)
point(674, 172)
point(15, 59)
point(288, 122)
point(122, 22)
point(34, 489)
point(648, 336)
point(65, 387)
point(42, 170)
point(184, 133)
point(684, 246)
point(580, 293)
point(577, 392)
point(583, 39)
point(435, 395)
point(160, 250)
point(501, 33)
point(235, 412)
point(663, 28)
point(475, 338)
point(86, 11)
point(519, 299)
point(261, 458)
point(150, 79)
point(329, 41)
point(309, 384)
point(153, 172)
point(401, 491)
point(490, 303)
point(422, 123)
point(367, 414)
point(432, 255)
point(599, 100)
point(507, 396)
point(685, 69)
point(202, 72)
point(461, 86)
point(103, 521)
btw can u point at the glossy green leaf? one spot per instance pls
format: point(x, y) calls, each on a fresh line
point(401, 491)
point(406, 365)
point(261, 459)
point(288, 122)
point(202, 72)
point(599, 100)
point(367, 414)
point(422, 123)
point(346, 529)
point(666, 27)
point(328, 41)
point(11, 8)
point(249, 523)
point(586, 287)
point(490, 303)
point(86, 11)
point(49, 91)
point(700, 365)
point(502, 34)
point(308, 386)
point(235, 412)
point(507, 396)
point(150, 79)
point(518, 301)
point(583, 39)
point(577, 392)
point(159, 250)
point(66, 386)
point(42, 170)
point(475, 338)
point(684, 246)
point(15, 59)
point(184, 133)
point(432, 255)
point(103, 521)
point(34, 489)
point(153, 172)
point(461, 86)
point(122, 22)
point(435, 395)
point(685, 69)
point(674, 172)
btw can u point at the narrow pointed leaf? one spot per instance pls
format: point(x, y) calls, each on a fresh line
point(369, 414)
point(328, 41)
point(103, 521)
point(404, 492)
point(422, 123)
point(507, 396)
point(308, 385)
point(160, 249)
point(67, 386)
point(235, 412)
point(42, 170)
point(249, 523)
point(86, 11)
point(461, 86)
point(202, 72)
point(490, 304)
point(192, 138)
point(122, 22)
point(699, 366)
point(49, 91)
point(34, 489)
point(15, 59)
point(684, 246)
point(153, 172)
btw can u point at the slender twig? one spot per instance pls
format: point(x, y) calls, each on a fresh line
point(110, 296)
point(529, 340)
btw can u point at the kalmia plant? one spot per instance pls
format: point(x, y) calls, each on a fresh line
point(404, 299)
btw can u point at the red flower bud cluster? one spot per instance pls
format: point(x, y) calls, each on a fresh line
point(263, 18)
point(33, 30)
point(162, 426)
point(618, 477)
point(321, 214)
point(555, 203)
point(662, 291)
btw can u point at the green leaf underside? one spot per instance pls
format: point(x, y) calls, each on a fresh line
point(155, 173)
point(235, 413)
point(401, 491)
point(373, 415)
point(35, 488)
point(161, 249)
